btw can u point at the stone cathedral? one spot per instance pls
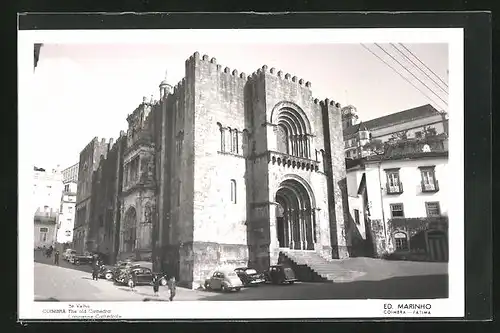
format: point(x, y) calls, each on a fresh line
point(227, 170)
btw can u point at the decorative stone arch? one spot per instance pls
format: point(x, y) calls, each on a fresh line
point(295, 214)
point(287, 105)
point(293, 128)
point(302, 182)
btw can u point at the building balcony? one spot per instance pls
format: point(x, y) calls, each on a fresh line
point(291, 161)
point(394, 189)
point(141, 139)
point(430, 188)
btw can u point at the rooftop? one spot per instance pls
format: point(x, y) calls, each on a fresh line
point(434, 146)
point(393, 118)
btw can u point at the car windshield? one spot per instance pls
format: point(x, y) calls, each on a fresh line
point(72, 252)
point(251, 271)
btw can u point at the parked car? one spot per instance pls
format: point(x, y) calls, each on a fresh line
point(68, 253)
point(144, 276)
point(106, 272)
point(121, 268)
point(224, 280)
point(82, 259)
point(279, 274)
point(249, 276)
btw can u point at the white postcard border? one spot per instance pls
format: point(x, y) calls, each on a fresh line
point(451, 307)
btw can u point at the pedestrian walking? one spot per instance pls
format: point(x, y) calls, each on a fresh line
point(156, 285)
point(56, 258)
point(132, 280)
point(95, 271)
point(171, 287)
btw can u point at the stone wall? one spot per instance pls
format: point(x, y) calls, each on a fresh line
point(335, 159)
point(219, 113)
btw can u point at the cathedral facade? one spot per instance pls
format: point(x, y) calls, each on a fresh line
point(229, 170)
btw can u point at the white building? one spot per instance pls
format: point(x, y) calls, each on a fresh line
point(399, 200)
point(67, 213)
point(416, 123)
point(47, 190)
point(67, 205)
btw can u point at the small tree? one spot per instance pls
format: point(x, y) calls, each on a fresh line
point(375, 146)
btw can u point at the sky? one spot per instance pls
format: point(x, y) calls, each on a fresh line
point(84, 90)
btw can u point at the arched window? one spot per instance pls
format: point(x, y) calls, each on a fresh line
point(234, 141)
point(293, 130)
point(222, 138)
point(401, 241)
point(233, 191)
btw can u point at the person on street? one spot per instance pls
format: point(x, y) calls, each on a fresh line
point(132, 280)
point(171, 287)
point(95, 271)
point(56, 258)
point(156, 285)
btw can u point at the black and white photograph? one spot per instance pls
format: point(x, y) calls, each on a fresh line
point(219, 170)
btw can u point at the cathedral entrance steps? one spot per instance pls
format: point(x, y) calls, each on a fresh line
point(310, 266)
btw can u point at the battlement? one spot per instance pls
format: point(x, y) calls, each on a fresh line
point(327, 102)
point(280, 74)
point(180, 85)
point(206, 60)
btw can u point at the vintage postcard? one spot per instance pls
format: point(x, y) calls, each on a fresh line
point(223, 174)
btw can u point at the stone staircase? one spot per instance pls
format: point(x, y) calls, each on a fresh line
point(310, 266)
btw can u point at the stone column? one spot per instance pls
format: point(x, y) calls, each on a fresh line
point(309, 141)
point(273, 235)
point(317, 230)
point(306, 146)
point(300, 219)
point(301, 145)
point(290, 228)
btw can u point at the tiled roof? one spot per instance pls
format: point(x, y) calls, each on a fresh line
point(406, 115)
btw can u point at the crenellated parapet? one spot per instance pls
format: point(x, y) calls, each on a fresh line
point(180, 86)
point(281, 75)
point(330, 104)
point(205, 60)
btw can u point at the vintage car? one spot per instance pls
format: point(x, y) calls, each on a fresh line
point(106, 272)
point(82, 259)
point(68, 253)
point(144, 276)
point(225, 280)
point(249, 276)
point(279, 274)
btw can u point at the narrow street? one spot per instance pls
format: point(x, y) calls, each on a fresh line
point(74, 283)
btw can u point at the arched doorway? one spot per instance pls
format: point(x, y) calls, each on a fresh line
point(129, 230)
point(295, 218)
point(437, 245)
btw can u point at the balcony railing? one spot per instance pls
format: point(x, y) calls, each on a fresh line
point(394, 189)
point(431, 187)
point(291, 161)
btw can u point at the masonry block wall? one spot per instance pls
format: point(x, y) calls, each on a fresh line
point(337, 183)
point(219, 216)
point(88, 163)
point(214, 155)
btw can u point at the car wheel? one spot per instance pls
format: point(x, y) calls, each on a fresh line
point(207, 286)
point(108, 276)
point(224, 288)
point(291, 282)
point(163, 282)
point(238, 289)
